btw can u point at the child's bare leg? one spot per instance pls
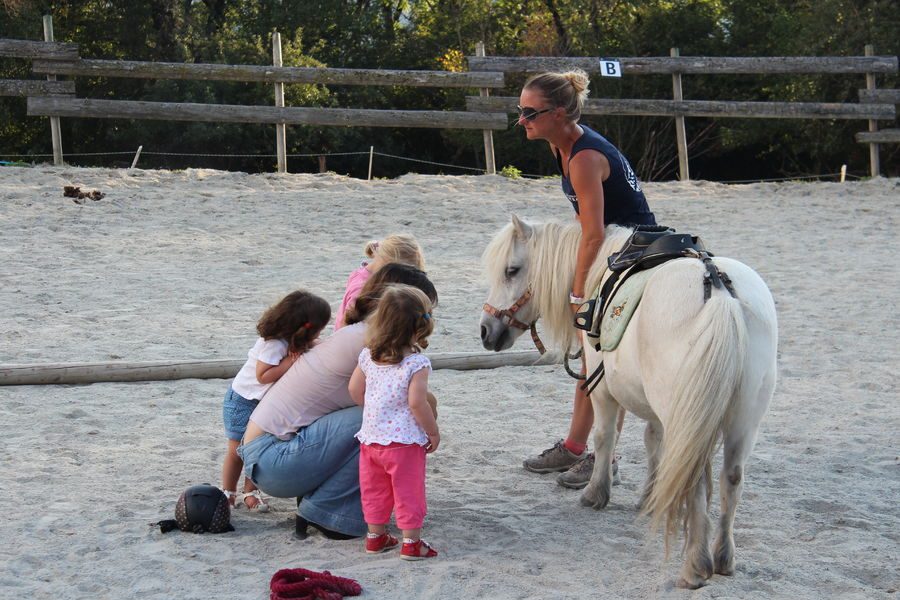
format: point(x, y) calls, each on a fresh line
point(249, 486)
point(231, 469)
point(412, 534)
point(377, 529)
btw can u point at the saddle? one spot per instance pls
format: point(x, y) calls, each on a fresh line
point(648, 247)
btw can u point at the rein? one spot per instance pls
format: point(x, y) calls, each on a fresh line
point(512, 321)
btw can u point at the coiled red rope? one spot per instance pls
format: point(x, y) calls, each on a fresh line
point(303, 584)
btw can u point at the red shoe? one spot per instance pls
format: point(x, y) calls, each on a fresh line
point(382, 543)
point(419, 550)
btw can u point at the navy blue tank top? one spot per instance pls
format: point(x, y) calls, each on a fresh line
point(623, 200)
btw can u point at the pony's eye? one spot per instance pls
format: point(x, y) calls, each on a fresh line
point(511, 272)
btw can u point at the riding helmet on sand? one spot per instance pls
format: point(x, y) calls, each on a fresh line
point(200, 509)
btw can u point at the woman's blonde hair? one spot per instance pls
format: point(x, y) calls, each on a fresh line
point(567, 90)
point(402, 322)
point(397, 248)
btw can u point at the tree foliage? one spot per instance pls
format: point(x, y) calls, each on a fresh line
point(438, 34)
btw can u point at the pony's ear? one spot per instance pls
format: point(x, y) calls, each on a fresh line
point(523, 229)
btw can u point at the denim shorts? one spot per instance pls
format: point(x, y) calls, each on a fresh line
point(236, 412)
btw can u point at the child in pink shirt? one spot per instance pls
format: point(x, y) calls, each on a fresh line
point(395, 248)
point(399, 426)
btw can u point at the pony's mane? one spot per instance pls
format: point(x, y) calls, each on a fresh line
point(552, 250)
point(496, 255)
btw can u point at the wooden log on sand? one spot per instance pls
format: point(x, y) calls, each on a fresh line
point(159, 370)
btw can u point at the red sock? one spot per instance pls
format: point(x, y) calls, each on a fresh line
point(574, 447)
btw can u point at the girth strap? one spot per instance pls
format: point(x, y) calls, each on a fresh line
point(590, 384)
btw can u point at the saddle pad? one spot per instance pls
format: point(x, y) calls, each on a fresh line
point(620, 308)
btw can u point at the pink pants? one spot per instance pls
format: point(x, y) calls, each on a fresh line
point(393, 478)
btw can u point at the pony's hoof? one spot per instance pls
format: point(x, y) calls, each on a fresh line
point(724, 567)
point(727, 571)
point(596, 499)
point(723, 560)
point(692, 584)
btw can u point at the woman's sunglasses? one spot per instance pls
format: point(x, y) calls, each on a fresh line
point(530, 114)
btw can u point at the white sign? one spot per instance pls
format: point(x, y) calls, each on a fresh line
point(610, 68)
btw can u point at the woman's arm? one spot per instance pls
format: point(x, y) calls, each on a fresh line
point(357, 386)
point(421, 409)
point(587, 171)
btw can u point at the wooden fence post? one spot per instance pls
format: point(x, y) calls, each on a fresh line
point(137, 155)
point(680, 133)
point(55, 133)
point(490, 165)
point(280, 128)
point(874, 158)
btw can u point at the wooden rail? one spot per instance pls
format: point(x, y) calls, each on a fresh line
point(883, 136)
point(885, 96)
point(22, 87)
point(268, 74)
point(708, 108)
point(74, 373)
point(230, 113)
point(37, 50)
point(692, 64)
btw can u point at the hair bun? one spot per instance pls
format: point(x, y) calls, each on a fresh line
point(371, 248)
point(579, 80)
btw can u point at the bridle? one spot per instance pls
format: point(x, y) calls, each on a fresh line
point(509, 315)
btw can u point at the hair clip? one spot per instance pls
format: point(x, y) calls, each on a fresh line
point(307, 325)
point(426, 316)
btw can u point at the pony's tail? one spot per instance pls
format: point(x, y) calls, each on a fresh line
point(704, 387)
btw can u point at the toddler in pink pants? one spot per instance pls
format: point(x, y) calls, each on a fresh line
point(399, 426)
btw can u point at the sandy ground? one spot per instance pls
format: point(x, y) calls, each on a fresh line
point(179, 265)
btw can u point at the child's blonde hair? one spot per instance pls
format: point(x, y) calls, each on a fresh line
point(397, 248)
point(402, 322)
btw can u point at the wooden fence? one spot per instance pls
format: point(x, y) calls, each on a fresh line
point(56, 99)
point(875, 104)
point(488, 113)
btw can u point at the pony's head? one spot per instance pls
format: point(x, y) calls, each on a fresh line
point(507, 267)
point(530, 268)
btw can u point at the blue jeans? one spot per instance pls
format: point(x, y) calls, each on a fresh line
point(236, 411)
point(320, 463)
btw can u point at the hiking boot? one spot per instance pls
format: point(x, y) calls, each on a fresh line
point(552, 460)
point(579, 474)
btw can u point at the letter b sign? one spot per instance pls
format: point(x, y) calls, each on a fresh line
point(610, 68)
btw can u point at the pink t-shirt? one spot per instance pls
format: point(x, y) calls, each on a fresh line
point(355, 283)
point(314, 386)
point(387, 417)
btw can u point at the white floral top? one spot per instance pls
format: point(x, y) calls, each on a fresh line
point(387, 417)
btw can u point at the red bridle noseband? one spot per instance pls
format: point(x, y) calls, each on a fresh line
point(512, 321)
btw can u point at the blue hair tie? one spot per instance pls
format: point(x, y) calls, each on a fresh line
point(426, 316)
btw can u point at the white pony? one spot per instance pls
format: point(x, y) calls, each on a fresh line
point(694, 369)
